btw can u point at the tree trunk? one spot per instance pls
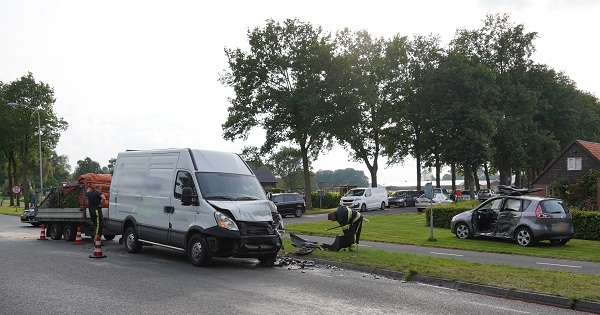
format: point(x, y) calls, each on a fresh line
point(306, 171)
point(486, 172)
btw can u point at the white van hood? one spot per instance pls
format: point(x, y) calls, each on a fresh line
point(248, 210)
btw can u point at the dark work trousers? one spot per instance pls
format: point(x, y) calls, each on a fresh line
point(97, 214)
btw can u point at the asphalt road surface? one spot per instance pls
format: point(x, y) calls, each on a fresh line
point(52, 277)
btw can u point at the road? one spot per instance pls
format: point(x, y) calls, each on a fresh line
point(479, 257)
point(58, 277)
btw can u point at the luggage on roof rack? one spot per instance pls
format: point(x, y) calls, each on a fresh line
point(515, 191)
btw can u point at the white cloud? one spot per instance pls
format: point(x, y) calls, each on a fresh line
point(143, 74)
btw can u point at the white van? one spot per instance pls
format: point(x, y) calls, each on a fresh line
point(371, 198)
point(207, 203)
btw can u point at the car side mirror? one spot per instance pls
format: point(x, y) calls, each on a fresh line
point(188, 198)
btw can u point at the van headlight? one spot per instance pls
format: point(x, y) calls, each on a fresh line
point(225, 221)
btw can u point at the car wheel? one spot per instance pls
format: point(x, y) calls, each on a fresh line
point(382, 206)
point(463, 231)
point(298, 212)
point(524, 237)
point(198, 251)
point(363, 208)
point(36, 224)
point(561, 241)
point(419, 209)
point(404, 204)
point(132, 243)
point(68, 233)
point(55, 231)
point(109, 237)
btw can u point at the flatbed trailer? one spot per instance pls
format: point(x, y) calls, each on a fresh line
point(65, 209)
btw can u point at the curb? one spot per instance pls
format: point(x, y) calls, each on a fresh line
point(544, 299)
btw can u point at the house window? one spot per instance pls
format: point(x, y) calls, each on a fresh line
point(574, 164)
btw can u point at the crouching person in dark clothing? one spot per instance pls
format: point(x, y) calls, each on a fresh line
point(351, 223)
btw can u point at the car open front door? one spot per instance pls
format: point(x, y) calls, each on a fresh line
point(509, 216)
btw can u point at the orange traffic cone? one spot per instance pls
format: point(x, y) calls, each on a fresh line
point(98, 249)
point(78, 240)
point(43, 233)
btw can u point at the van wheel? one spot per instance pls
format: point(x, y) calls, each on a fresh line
point(382, 206)
point(68, 233)
point(404, 204)
point(363, 208)
point(198, 251)
point(109, 237)
point(298, 212)
point(268, 260)
point(132, 243)
point(55, 231)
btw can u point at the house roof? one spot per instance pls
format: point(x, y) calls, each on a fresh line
point(592, 149)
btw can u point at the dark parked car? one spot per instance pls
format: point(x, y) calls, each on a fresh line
point(514, 215)
point(402, 198)
point(289, 203)
point(28, 216)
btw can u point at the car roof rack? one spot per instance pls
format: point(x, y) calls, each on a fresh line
point(506, 190)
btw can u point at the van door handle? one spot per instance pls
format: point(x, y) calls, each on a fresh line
point(169, 209)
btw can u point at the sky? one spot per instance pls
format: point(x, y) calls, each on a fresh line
point(144, 74)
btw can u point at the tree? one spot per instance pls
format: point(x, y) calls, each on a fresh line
point(58, 170)
point(87, 166)
point(368, 77)
point(279, 86)
point(347, 176)
point(20, 129)
point(412, 130)
point(286, 164)
point(506, 49)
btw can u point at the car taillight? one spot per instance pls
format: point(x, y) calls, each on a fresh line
point(539, 213)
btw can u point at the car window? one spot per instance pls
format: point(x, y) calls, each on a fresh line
point(278, 199)
point(297, 198)
point(493, 205)
point(288, 198)
point(554, 206)
point(512, 205)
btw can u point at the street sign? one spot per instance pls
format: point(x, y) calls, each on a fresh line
point(428, 191)
point(16, 189)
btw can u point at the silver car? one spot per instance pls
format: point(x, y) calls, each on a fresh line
point(526, 219)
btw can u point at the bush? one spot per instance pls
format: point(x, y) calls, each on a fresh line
point(328, 200)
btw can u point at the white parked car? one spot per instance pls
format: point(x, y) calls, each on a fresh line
point(423, 202)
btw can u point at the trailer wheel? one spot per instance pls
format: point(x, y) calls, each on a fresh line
point(68, 233)
point(55, 231)
point(132, 243)
point(198, 251)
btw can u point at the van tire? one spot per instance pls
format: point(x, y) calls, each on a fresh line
point(363, 208)
point(382, 206)
point(132, 243)
point(198, 251)
point(268, 260)
point(109, 237)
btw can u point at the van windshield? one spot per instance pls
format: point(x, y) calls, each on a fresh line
point(355, 192)
point(224, 186)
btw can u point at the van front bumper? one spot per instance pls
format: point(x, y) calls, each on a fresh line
point(253, 241)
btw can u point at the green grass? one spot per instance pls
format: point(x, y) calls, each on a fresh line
point(5, 209)
point(411, 229)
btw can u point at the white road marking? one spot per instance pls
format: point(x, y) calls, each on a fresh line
point(447, 254)
point(539, 263)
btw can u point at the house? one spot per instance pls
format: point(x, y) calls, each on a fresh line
point(264, 175)
point(575, 159)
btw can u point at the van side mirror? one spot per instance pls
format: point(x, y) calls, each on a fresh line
point(188, 198)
